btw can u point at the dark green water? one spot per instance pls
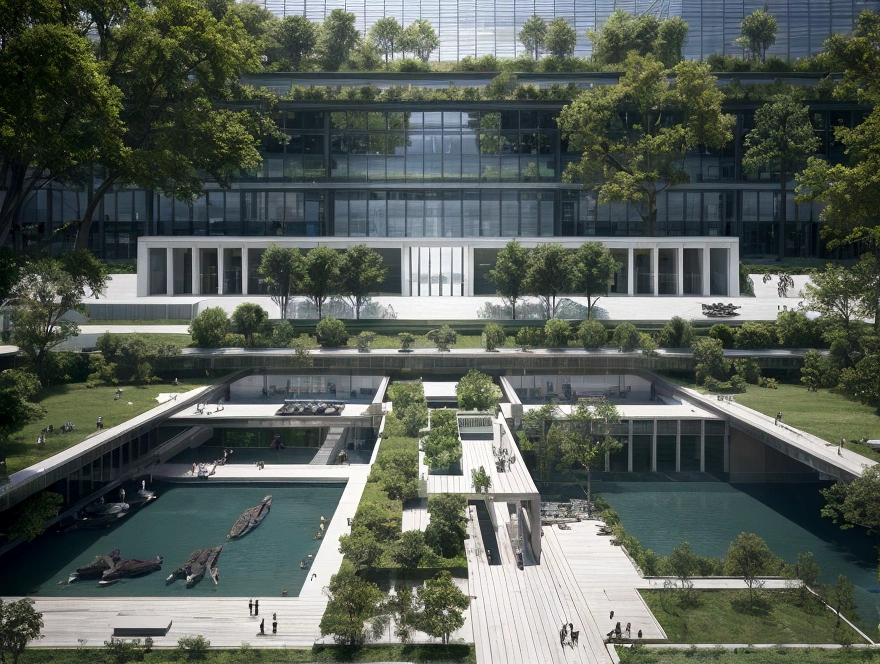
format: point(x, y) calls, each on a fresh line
point(710, 515)
point(185, 518)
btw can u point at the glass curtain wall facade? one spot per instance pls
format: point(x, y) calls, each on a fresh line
point(444, 170)
point(491, 27)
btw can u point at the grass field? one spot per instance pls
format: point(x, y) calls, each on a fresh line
point(777, 655)
point(454, 654)
point(825, 414)
point(718, 618)
point(82, 406)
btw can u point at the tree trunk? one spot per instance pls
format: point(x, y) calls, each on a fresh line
point(589, 491)
point(85, 224)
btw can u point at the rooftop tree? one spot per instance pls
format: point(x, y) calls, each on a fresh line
point(361, 271)
point(297, 37)
point(283, 270)
point(353, 602)
point(338, 37)
point(549, 273)
point(561, 38)
point(758, 33)
point(321, 276)
point(509, 274)
point(477, 391)
point(420, 39)
point(533, 35)
point(385, 35)
point(633, 137)
point(594, 268)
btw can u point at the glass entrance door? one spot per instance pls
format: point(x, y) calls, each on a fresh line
point(436, 271)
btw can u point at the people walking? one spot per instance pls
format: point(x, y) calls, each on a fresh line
point(574, 639)
point(263, 626)
point(251, 606)
point(628, 631)
point(256, 607)
point(274, 626)
point(563, 634)
point(778, 418)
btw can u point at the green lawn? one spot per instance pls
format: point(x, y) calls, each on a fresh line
point(825, 414)
point(454, 654)
point(81, 406)
point(776, 655)
point(719, 618)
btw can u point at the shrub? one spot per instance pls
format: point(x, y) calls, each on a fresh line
point(748, 368)
point(647, 344)
point(710, 362)
point(677, 333)
point(409, 549)
point(625, 337)
point(443, 338)
point(283, 334)
point(209, 328)
point(259, 340)
point(234, 341)
point(447, 529)
point(770, 383)
point(723, 333)
point(819, 371)
point(557, 332)
point(477, 391)
point(592, 334)
point(494, 336)
point(249, 319)
point(364, 340)
point(755, 335)
point(441, 445)
point(193, 647)
point(407, 339)
point(530, 337)
point(795, 330)
point(410, 406)
point(331, 333)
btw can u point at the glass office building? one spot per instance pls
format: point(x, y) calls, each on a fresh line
point(483, 27)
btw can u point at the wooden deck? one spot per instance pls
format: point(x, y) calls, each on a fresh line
point(415, 515)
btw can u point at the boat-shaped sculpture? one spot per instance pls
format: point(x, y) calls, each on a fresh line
point(129, 568)
point(101, 509)
point(141, 498)
point(95, 521)
point(251, 518)
point(311, 408)
point(195, 567)
point(96, 568)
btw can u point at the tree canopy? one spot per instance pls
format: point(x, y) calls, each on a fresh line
point(549, 273)
point(509, 274)
point(361, 271)
point(338, 37)
point(283, 270)
point(645, 34)
point(321, 276)
point(633, 136)
point(385, 35)
point(758, 33)
point(561, 38)
point(477, 391)
point(353, 602)
point(420, 39)
point(533, 35)
point(594, 268)
point(20, 623)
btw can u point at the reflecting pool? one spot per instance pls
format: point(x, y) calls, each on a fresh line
point(182, 519)
point(710, 515)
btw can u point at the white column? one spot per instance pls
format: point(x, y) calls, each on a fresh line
point(468, 271)
point(196, 271)
point(169, 271)
point(143, 273)
point(245, 268)
point(631, 272)
point(404, 270)
point(655, 268)
point(706, 267)
point(219, 269)
point(679, 288)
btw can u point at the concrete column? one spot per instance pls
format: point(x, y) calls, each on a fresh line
point(706, 271)
point(219, 269)
point(655, 269)
point(654, 449)
point(535, 523)
point(678, 448)
point(679, 271)
point(631, 272)
point(143, 274)
point(404, 271)
point(196, 270)
point(703, 446)
point(468, 271)
point(733, 274)
point(169, 271)
point(245, 268)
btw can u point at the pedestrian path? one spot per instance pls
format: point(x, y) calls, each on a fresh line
point(322, 458)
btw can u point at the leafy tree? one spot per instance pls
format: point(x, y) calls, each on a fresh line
point(795, 330)
point(481, 480)
point(684, 564)
point(331, 333)
point(402, 607)
point(586, 438)
point(386, 35)
point(283, 334)
point(176, 66)
point(808, 571)
point(592, 334)
point(749, 557)
point(17, 391)
point(321, 272)
point(420, 39)
point(410, 405)
point(709, 360)
point(20, 623)
point(494, 335)
point(442, 604)
point(625, 337)
point(781, 140)
point(843, 597)
point(446, 531)
point(670, 41)
point(410, 549)
point(379, 519)
point(557, 333)
point(122, 651)
point(283, 270)
point(758, 33)
point(441, 445)
point(353, 601)
point(297, 36)
point(677, 333)
point(477, 391)
point(856, 503)
point(398, 474)
point(31, 516)
point(819, 372)
point(338, 37)
point(361, 548)
point(549, 273)
point(594, 268)
point(561, 38)
point(622, 33)
point(724, 334)
point(209, 327)
point(49, 288)
point(361, 271)
point(633, 136)
point(59, 109)
point(443, 338)
point(509, 274)
point(860, 382)
point(535, 435)
point(407, 339)
point(837, 294)
point(867, 273)
point(533, 35)
point(249, 319)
